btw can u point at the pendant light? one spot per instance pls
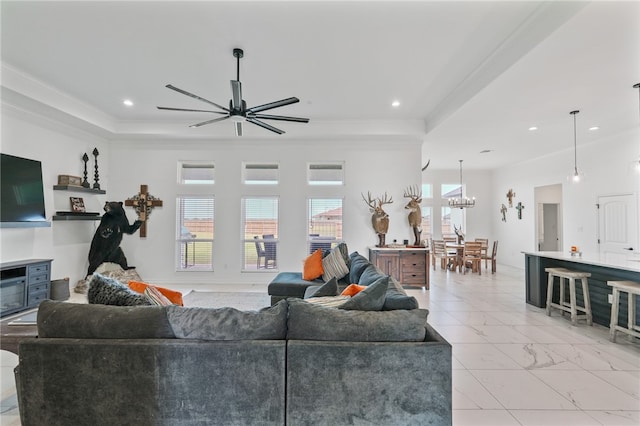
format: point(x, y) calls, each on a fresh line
point(637, 162)
point(462, 202)
point(577, 175)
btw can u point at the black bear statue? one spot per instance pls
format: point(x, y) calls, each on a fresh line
point(105, 246)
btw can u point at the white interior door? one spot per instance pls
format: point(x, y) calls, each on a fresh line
point(618, 225)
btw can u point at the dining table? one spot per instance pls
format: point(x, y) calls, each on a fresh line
point(459, 248)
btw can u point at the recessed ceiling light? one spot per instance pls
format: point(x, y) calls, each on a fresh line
point(395, 104)
point(533, 128)
point(128, 102)
point(594, 128)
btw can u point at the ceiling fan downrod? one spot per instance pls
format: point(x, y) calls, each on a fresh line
point(238, 53)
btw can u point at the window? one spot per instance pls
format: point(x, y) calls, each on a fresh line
point(325, 174)
point(426, 190)
point(196, 173)
point(427, 220)
point(450, 218)
point(195, 232)
point(325, 223)
point(260, 174)
point(260, 233)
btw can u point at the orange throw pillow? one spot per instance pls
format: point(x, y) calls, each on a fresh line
point(312, 268)
point(352, 290)
point(174, 296)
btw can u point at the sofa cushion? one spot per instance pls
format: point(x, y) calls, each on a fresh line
point(83, 321)
point(397, 298)
point(312, 267)
point(334, 266)
point(308, 321)
point(290, 284)
point(371, 298)
point(174, 296)
point(330, 288)
point(229, 323)
point(358, 263)
point(109, 291)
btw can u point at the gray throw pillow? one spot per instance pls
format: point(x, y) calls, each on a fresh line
point(109, 291)
point(344, 251)
point(370, 275)
point(330, 288)
point(371, 298)
point(308, 321)
point(333, 265)
point(397, 298)
point(229, 323)
point(83, 321)
point(357, 265)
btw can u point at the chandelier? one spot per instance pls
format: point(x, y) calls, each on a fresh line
point(462, 202)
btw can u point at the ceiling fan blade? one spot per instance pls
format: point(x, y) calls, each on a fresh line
point(265, 125)
point(236, 94)
point(272, 105)
point(279, 117)
point(184, 92)
point(209, 121)
point(190, 110)
point(238, 128)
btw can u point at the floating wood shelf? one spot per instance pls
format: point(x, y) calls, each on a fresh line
point(76, 217)
point(78, 189)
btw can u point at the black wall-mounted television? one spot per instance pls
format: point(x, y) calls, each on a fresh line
point(21, 193)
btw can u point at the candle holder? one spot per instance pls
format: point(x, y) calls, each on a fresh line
point(85, 182)
point(96, 176)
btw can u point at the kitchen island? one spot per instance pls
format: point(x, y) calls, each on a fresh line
point(602, 269)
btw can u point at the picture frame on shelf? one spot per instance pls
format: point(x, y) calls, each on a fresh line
point(77, 205)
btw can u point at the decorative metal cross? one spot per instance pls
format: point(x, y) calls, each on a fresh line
point(503, 211)
point(510, 196)
point(143, 203)
point(519, 207)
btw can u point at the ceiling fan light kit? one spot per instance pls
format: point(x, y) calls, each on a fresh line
point(238, 111)
point(462, 202)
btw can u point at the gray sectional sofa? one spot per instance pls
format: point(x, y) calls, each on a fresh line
point(294, 363)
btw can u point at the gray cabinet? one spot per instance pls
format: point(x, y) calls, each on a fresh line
point(24, 284)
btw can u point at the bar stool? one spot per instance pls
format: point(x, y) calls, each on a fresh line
point(571, 306)
point(632, 289)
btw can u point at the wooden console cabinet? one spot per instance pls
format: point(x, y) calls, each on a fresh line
point(410, 266)
point(24, 284)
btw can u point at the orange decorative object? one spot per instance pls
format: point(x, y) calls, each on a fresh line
point(352, 290)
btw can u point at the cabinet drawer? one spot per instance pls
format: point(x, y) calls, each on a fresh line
point(413, 278)
point(38, 279)
point(38, 268)
point(34, 299)
point(37, 288)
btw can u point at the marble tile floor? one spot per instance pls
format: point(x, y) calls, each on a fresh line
point(512, 365)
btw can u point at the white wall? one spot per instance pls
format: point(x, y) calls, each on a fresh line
point(377, 166)
point(608, 170)
point(60, 148)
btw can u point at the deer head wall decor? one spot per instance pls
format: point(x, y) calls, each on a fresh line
point(415, 212)
point(379, 218)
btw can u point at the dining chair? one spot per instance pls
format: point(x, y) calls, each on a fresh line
point(270, 250)
point(260, 251)
point(472, 256)
point(492, 257)
point(485, 248)
point(439, 251)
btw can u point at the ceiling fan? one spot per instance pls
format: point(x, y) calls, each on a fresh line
point(238, 111)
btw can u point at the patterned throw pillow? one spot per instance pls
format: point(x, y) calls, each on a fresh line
point(155, 297)
point(334, 266)
point(108, 291)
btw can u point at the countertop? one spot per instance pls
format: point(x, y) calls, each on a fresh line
point(628, 262)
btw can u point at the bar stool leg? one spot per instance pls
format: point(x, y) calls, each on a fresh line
point(587, 300)
point(572, 301)
point(549, 293)
point(631, 313)
point(614, 314)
